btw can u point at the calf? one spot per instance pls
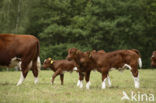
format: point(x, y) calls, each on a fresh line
point(59, 67)
point(84, 63)
point(153, 59)
point(119, 59)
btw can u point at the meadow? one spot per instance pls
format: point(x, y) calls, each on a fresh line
point(44, 92)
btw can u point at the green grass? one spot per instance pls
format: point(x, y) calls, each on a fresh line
point(44, 92)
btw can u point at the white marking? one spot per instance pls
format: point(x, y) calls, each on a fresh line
point(104, 84)
point(14, 62)
point(125, 96)
point(35, 80)
point(78, 83)
point(20, 80)
point(152, 55)
point(127, 66)
point(81, 84)
point(140, 62)
point(38, 63)
point(19, 65)
point(88, 85)
point(75, 68)
point(109, 82)
point(136, 82)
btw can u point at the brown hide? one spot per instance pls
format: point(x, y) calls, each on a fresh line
point(153, 59)
point(24, 47)
point(59, 66)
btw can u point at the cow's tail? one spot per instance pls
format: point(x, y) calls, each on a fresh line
point(140, 62)
point(38, 58)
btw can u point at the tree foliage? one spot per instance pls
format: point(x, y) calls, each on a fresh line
point(84, 24)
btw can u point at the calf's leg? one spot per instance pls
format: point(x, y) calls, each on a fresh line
point(81, 77)
point(61, 78)
point(135, 77)
point(54, 75)
point(104, 77)
point(87, 76)
point(109, 81)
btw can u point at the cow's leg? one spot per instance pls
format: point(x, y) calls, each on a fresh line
point(54, 75)
point(35, 69)
point(61, 78)
point(109, 81)
point(22, 77)
point(87, 76)
point(24, 71)
point(81, 77)
point(104, 77)
point(135, 76)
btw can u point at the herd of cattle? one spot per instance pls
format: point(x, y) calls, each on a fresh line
point(24, 50)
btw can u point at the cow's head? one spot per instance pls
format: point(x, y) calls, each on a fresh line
point(47, 63)
point(72, 54)
point(153, 59)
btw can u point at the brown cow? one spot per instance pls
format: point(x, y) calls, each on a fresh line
point(119, 59)
point(59, 67)
point(153, 59)
point(22, 50)
point(84, 62)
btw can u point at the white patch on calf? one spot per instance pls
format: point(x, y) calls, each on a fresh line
point(104, 84)
point(140, 62)
point(75, 68)
point(88, 85)
point(35, 80)
point(109, 82)
point(136, 82)
point(20, 80)
point(127, 66)
point(81, 84)
point(78, 83)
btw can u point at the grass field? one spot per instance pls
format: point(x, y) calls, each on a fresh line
point(44, 92)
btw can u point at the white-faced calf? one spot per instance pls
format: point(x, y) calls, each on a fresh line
point(59, 67)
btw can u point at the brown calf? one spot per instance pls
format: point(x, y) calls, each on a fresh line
point(59, 67)
point(119, 59)
point(84, 63)
point(153, 59)
point(22, 50)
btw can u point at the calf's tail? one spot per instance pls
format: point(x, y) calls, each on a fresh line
point(140, 62)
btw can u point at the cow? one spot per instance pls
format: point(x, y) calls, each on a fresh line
point(21, 50)
point(119, 59)
point(59, 67)
point(153, 59)
point(85, 64)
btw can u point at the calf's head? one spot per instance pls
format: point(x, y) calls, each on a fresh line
point(72, 54)
point(47, 63)
point(153, 59)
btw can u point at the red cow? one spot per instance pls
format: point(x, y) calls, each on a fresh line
point(85, 65)
point(59, 67)
point(119, 59)
point(22, 50)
